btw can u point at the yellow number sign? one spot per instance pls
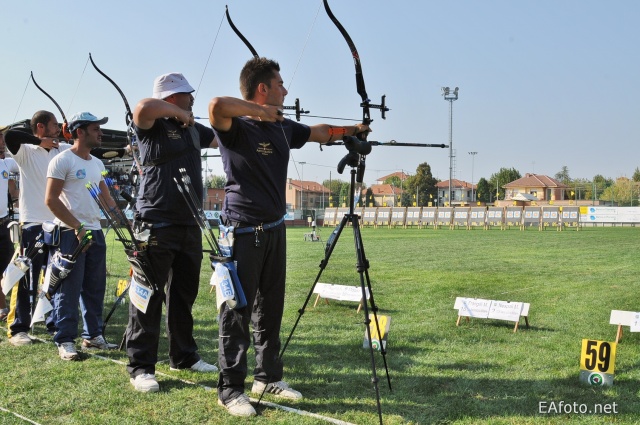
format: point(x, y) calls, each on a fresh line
point(598, 356)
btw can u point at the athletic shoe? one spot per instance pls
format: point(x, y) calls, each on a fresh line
point(239, 406)
point(279, 389)
point(19, 339)
point(199, 366)
point(145, 383)
point(67, 351)
point(97, 343)
point(4, 312)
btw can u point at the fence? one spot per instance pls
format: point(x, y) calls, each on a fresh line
point(469, 218)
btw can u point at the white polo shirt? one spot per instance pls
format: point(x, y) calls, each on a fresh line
point(33, 161)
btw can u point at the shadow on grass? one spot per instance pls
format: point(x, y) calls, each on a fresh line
point(339, 385)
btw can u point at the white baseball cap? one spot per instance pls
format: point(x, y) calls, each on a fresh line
point(168, 84)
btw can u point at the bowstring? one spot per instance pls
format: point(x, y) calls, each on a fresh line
point(21, 99)
point(77, 86)
point(209, 58)
point(295, 70)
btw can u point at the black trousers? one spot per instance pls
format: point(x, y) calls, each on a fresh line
point(262, 273)
point(175, 250)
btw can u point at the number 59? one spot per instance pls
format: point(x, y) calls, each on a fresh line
point(598, 355)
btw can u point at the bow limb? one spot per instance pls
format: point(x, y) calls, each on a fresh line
point(65, 124)
point(239, 34)
point(129, 116)
point(131, 136)
point(298, 110)
point(362, 91)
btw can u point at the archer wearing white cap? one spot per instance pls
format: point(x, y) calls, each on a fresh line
point(169, 140)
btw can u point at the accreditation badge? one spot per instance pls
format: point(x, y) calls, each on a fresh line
point(139, 295)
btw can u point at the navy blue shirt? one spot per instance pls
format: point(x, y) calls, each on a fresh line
point(255, 156)
point(164, 149)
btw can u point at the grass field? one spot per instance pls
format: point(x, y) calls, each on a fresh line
point(480, 372)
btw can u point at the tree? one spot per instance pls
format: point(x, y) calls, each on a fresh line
point(623, 192)
point(216, 182)
point(563, 176)
point(344, 198)
point(369, 200)
point(598, 185)
point(582, 188)
point(483, 190)
point(636, 175)
point(422, 184)
point(502, 177)
point(335, 189)
point(393, 180)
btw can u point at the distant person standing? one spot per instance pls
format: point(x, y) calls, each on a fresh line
point(7, 166)
point(168, 140)
point(76, 211)
point(33, 154)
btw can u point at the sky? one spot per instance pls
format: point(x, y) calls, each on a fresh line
point(543, 84)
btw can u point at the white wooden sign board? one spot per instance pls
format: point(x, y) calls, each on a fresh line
point(622, 318)
point(505, 310)
point(339, 293)
point(492, 309)
point(472, 307)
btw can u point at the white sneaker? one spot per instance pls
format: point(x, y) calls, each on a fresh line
point(19, 339)
point(145, 383)
point(279, 389)
point(97, 343)
point(199, 366)
point(67, 351)
point(239, 406)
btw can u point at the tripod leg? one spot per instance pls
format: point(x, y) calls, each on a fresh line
point(363, 266)
point(331, 243)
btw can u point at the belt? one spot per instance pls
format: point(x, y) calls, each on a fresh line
point(261, 227)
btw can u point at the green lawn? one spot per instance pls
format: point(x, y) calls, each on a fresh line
point(480, 372)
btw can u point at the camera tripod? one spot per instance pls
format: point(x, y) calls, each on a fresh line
point(353, 159)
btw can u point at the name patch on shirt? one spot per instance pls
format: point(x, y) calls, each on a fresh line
point(264, 148)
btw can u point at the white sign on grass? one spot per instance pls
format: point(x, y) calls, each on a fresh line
point(474, 307)
point(340, 292)
point(505, 310)
point(635, 325)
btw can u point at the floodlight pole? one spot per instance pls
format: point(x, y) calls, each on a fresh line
point(473, 155)
point(450, 97)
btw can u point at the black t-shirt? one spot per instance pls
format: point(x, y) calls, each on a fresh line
point(255, 156)
point(164, 149)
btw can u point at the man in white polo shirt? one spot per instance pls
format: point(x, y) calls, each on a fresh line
point(33, 154)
